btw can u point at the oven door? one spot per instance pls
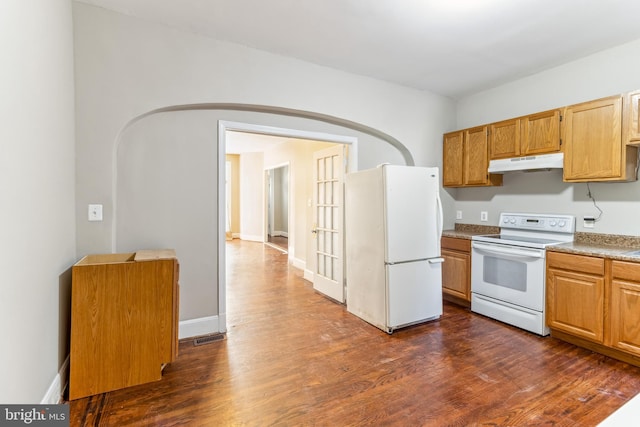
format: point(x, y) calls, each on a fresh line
point(509, 273)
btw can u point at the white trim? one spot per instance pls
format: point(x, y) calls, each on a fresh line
point(200, 326)
point(308, 275)
point(53, 395)
point(251, 238)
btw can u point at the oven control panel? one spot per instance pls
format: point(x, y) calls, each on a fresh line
point(538, 222)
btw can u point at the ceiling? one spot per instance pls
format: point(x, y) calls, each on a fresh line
point(449, 47)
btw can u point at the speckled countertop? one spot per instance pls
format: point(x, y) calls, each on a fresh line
point(466, 231)
point(614, 246)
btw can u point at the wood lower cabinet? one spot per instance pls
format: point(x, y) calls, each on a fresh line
point(625, 307)
point(456, 270)
point(575, 295)
point(595, 303)
point(124, 320)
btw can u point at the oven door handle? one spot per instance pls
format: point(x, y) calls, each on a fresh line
point(509, 251)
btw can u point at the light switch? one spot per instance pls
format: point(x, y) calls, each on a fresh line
point(95, 212)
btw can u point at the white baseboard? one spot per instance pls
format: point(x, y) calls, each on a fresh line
point(308, 275)
point(252, 238)
point(297, 263)
point(280, 233)
point(54, 393)
point(201, 326)
point(186, 329)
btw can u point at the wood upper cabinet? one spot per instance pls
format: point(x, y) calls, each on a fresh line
point(575, 295)
point(504, 139)
point(456, 270)
point(525, 136)
point(632, 117)
point(625, 307)
point(465, 159)
point(540, 133)
point(453, 159)
point(594, 149)
point(476, 156)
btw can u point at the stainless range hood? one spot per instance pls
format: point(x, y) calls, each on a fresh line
point(527, 164)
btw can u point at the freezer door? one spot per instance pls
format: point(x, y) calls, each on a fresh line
point(412, 213)
point(414, 292)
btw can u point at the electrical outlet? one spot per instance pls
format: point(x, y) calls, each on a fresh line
point(588, 221)
point(484, 216)
point(458, 214)
point(95, 212)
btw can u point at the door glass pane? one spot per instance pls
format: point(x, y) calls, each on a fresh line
point(321, 264)
point(320, 169)
point(321, 240)
point(328, 220)
point(328, 267)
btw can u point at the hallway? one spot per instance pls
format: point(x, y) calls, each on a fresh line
point(292, 357)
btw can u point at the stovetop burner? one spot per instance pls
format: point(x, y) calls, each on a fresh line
point(531, 230)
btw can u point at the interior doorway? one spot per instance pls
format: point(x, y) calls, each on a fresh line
point(277, 206)
point(229, 128)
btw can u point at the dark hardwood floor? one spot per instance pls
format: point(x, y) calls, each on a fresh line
point(292, 357)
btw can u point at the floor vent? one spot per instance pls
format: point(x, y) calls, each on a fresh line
point(208, 339)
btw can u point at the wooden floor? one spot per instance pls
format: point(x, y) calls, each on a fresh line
point(292, 357)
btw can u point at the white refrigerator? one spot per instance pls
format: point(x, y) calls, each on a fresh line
point(393, 225)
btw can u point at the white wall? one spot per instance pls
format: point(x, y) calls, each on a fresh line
point(37, 220)
point(126, 67)
point(607, 73)
point(252, 196)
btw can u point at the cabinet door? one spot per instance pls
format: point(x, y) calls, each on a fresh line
point(504, 139)
point(592, 134)
point(632, 115)
point(625, 316)
point(540, 133)
point(452, 159)
point(625, 307)
point(575, 303)
point(456, 274)
point(476, 156)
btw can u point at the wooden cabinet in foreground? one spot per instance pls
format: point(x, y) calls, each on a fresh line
point(594, 147)
point(124, 320)
point(456, 270)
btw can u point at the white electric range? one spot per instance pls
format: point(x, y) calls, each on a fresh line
point(508, 269)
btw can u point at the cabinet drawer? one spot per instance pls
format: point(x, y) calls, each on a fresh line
point(626, 270)
point(582, 263)
point(455, 244)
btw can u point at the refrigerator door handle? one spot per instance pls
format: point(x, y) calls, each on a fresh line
point(436, 260)
point(439, 215)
